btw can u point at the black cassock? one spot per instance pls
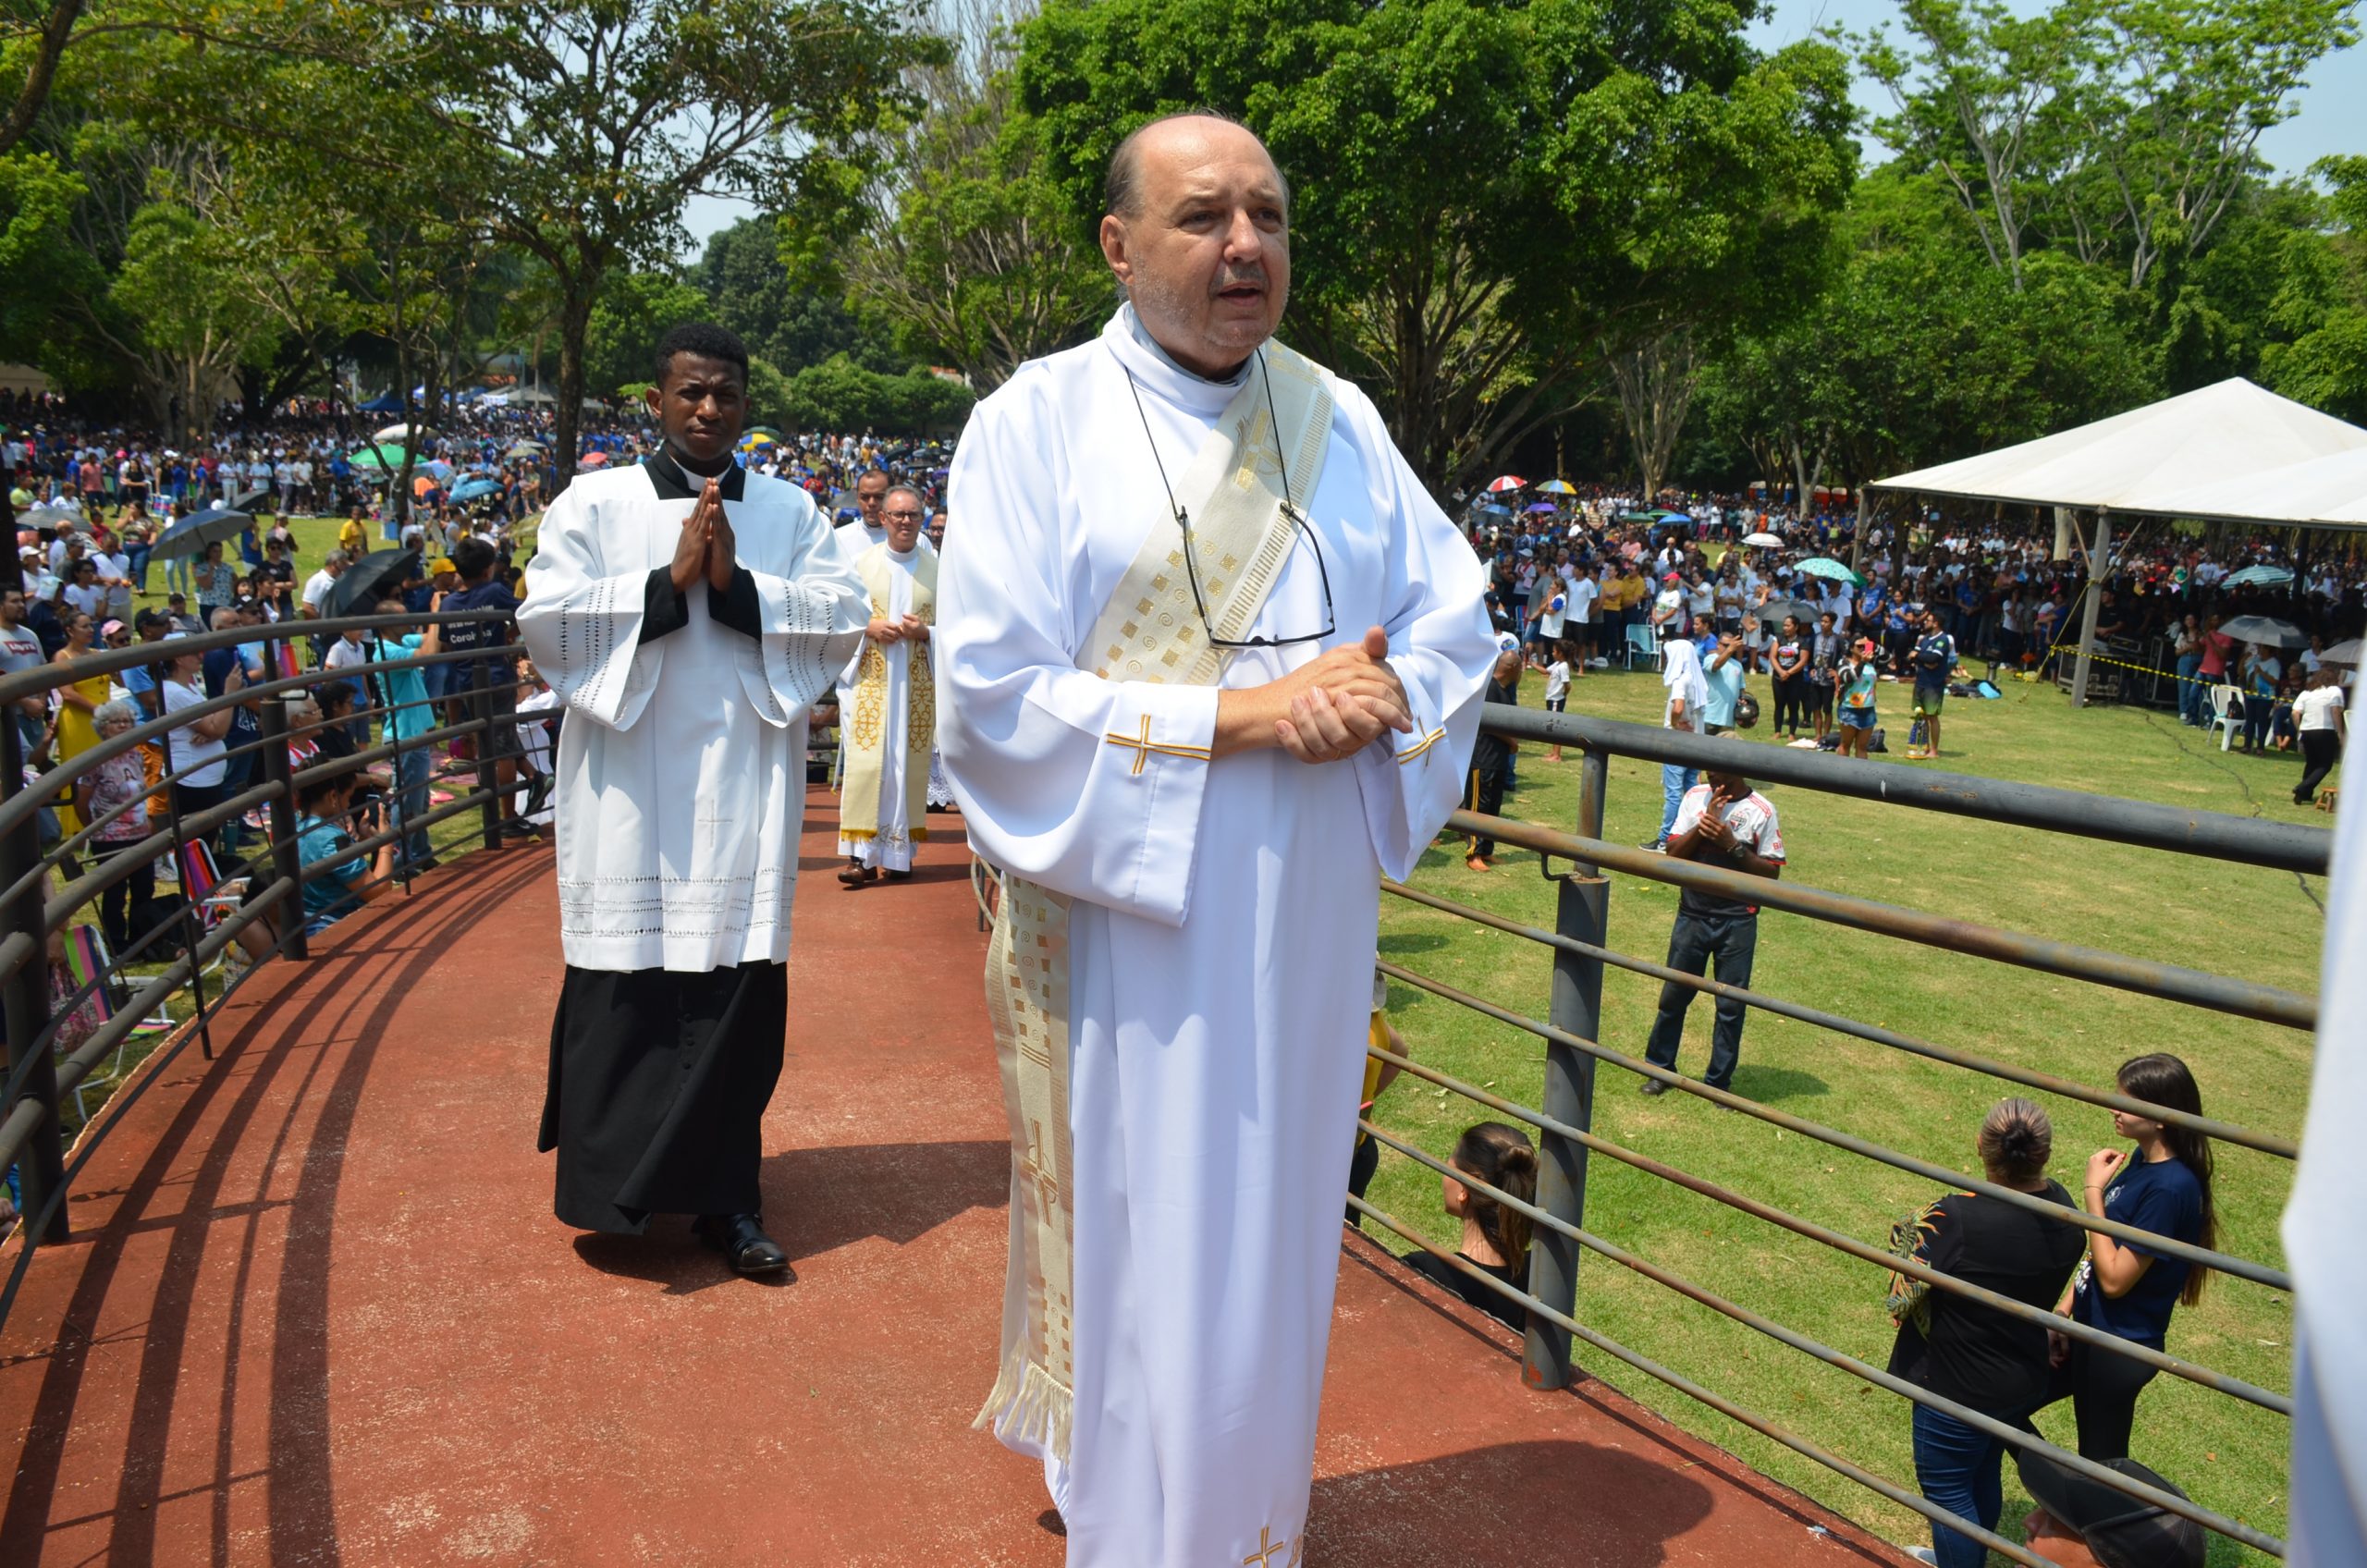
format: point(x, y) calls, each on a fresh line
point(659, 1078)
point(658, 1084)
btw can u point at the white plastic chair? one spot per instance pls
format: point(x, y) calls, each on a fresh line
point(2227, 714)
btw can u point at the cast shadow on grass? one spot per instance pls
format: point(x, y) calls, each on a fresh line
point(1772, 1086)
point(1402, 942)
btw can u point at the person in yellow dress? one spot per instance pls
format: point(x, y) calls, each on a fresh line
point(76, 702)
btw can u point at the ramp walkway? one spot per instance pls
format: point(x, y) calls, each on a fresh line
point(317, 1311)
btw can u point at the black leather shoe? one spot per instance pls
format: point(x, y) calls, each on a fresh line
point(740, 1239)
point(1655, 1086)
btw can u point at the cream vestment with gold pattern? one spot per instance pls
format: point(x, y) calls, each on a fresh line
point(1200, 929)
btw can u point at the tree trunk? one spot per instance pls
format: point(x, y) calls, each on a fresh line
point(574, 321)
point(1857, 540)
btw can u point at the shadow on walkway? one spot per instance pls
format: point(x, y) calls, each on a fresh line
point(318, 1312)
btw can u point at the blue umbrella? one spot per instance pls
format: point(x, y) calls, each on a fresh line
point(2260, 577)
point(471, 489)
point(192, 533)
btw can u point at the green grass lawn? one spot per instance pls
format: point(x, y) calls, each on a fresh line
point(2260, 925)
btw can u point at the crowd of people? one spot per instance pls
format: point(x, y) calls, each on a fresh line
point(1585, 582)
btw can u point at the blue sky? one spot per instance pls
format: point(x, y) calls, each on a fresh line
point(2333, 116)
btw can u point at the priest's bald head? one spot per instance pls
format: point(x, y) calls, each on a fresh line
point(1199, 233)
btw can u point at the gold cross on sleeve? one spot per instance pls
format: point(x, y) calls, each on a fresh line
point(1420, 748)
point(1143, 746)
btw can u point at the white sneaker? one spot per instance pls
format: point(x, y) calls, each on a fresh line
point(1924, 1554)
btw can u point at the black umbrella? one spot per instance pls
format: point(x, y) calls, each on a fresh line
point(245, 500)
point(192, 533)
point(1771, 614)
point(375, 577)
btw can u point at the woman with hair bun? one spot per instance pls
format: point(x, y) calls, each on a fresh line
point(1495, 1239)
point(1964, 1351)
point(2163, 1185)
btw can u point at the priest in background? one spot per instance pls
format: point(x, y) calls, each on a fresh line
point(687, 613)
point(1211, 661)
point(887, 720)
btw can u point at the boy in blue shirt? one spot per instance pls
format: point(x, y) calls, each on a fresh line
point(337, 890)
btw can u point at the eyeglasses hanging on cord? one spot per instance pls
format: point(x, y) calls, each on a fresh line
point(1290, 510)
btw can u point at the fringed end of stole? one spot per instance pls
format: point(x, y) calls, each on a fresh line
point(860, 835)
point(1028, 1405)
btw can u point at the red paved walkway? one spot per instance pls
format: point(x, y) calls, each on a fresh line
point(318, 1312)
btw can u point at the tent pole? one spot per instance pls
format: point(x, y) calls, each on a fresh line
point(2099, 561)
point(2062, 534)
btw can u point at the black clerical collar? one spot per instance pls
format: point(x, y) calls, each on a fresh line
point(674, 482)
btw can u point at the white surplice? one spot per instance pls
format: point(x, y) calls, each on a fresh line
point(681, 783)
point(890, 848)
point(1220, 943)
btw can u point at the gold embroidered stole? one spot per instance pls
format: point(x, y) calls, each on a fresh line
point(861, 728)
point(1149, 631)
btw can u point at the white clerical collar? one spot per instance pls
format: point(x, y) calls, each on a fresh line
point(1156, 370)
point(903, 556)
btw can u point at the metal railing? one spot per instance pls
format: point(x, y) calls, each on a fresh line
point(1573, 1050)
point(39, 1078)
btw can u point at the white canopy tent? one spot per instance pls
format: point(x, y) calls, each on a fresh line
point(2148, 460)
point(2153, 461)
point(2329, 492)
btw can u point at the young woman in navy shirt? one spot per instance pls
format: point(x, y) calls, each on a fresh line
point(2162, 1186)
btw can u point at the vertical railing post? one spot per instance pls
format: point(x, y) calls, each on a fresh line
point(1576, 1009)
point(488, 771)
point(286, 854)
point(42, 1158)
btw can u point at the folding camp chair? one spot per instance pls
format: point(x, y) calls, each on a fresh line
point(207, 892)
point(1642, 639)
point(86, 962)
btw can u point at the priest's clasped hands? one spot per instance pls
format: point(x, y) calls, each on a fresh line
point(706, 549)
point(1330, 707)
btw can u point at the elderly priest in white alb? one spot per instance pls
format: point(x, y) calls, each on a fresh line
point(1211, 662)
point(888, 709)
point(688, 612)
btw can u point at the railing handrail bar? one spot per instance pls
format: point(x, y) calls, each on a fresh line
point(2127, 1485)
point(39, 791)
point(2227, 1132)
point(2285, 846)
point(2167, 1246)
point(87, 839)
point(1841, 1240)
point(2171, 982)
point(47, 677)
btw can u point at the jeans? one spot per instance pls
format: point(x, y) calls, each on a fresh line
point(2257, 710)
point(1674, 782)
point(411, 802)
point(178, 578)
point(2190, 690)
point(1732, 939)
point(1958, 1466)
point(136, 557)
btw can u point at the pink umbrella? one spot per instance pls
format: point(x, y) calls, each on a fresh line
point(594, 460)
point(1509, 481)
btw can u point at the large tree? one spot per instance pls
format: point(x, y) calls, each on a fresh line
point(1486, 196)
point(599, 118)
